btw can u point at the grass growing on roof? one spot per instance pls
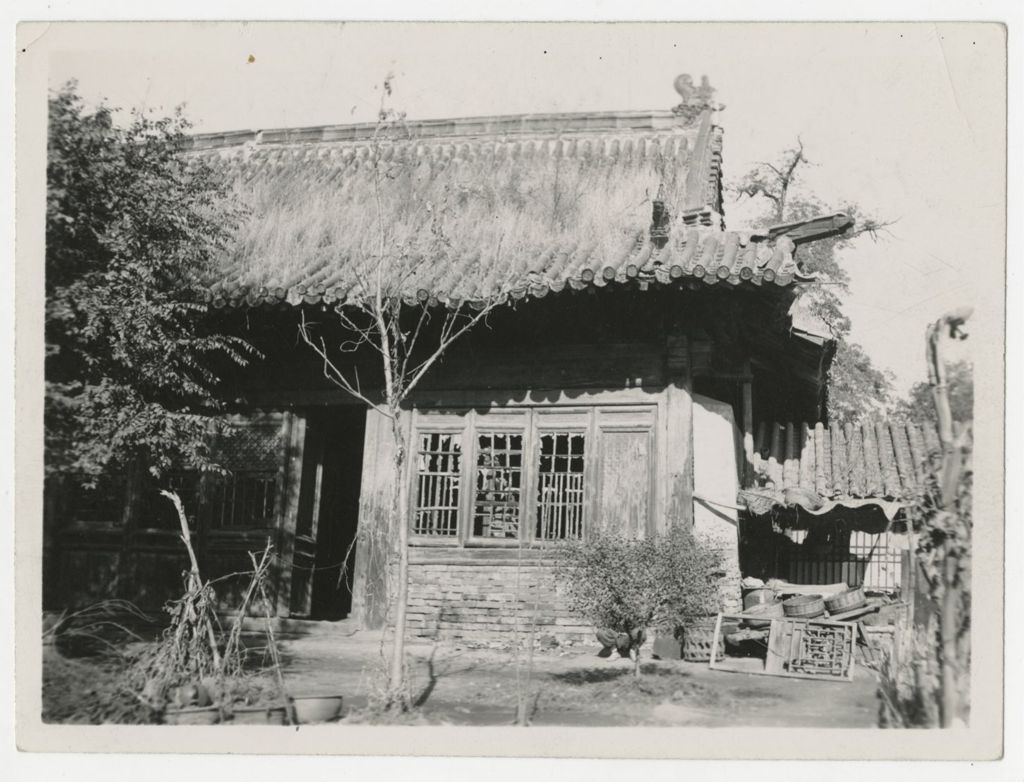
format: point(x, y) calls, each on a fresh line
point(336, 208)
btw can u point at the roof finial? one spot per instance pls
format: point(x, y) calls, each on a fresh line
point(695, 100)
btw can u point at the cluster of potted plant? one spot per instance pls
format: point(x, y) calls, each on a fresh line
point(197, 675)
point(206, 703)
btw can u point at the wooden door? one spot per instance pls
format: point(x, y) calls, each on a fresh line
point(626, 472)
point(307, 523)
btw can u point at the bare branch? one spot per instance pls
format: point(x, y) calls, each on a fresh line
point(446, 342)
point(413, 339)
point(787, 178)
point(757, 189)
point(331, 371)
point(872, 228)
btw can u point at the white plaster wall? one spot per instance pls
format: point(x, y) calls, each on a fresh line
point(715, 485)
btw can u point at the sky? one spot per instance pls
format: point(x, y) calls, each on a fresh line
point(906, 120)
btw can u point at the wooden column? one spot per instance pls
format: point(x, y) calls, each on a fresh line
point(375, 539)
point(747, 474)
point(679, 432)
point(293, 439)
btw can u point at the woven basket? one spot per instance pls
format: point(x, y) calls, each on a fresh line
point(846, 601)
point(697, 640)
point(804, 607)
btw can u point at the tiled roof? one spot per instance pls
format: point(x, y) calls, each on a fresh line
point(801, 464)
point(522, 205)
point(694, 255)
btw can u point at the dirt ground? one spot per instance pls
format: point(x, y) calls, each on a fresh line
point(454, 684)
point(457, 685)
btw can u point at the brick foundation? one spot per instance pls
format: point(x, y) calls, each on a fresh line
point(477, 603)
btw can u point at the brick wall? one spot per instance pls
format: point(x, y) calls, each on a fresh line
point(476, 603)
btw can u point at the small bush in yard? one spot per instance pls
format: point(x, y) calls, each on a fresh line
point(629, 586)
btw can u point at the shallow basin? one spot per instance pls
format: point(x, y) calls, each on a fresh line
point(310, 709)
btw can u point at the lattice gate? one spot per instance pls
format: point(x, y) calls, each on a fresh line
point(857, 558)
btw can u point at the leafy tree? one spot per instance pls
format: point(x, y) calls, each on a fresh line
point(132, 228)
point(919, 405)
point(855, 386)
point(630, 586)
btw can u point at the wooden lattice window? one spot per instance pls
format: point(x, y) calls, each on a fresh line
point(247, 496)
point(438, 468)
point(560, 488)
point(499, 482)
point(244, 500)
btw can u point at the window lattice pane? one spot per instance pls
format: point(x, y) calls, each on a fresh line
point(499, 481)
point(439, 461)
point(244, 500)
point(249, 447)
point(560, 486)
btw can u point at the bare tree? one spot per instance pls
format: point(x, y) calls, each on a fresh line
point(856, 386)
point(773, 180)
point(406, 338)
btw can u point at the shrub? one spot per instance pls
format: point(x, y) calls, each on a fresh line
point(629, 586)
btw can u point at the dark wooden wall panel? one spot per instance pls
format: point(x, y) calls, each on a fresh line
point(156, 577)
point(89, 575)
point(614, 365)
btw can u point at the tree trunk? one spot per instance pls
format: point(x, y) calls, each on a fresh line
point(398, 697)
point(948, 625)
point(949, 478)
point(521, 716)
point(636, 663)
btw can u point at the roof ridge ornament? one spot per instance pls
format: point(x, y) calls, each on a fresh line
point(695, 99)
point(660, 219)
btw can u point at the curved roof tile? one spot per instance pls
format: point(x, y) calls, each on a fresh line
point(872, 460)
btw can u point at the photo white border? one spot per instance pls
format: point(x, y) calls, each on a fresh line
point(592, 742)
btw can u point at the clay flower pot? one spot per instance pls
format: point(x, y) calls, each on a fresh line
point(258, 715)
point(192, 715)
